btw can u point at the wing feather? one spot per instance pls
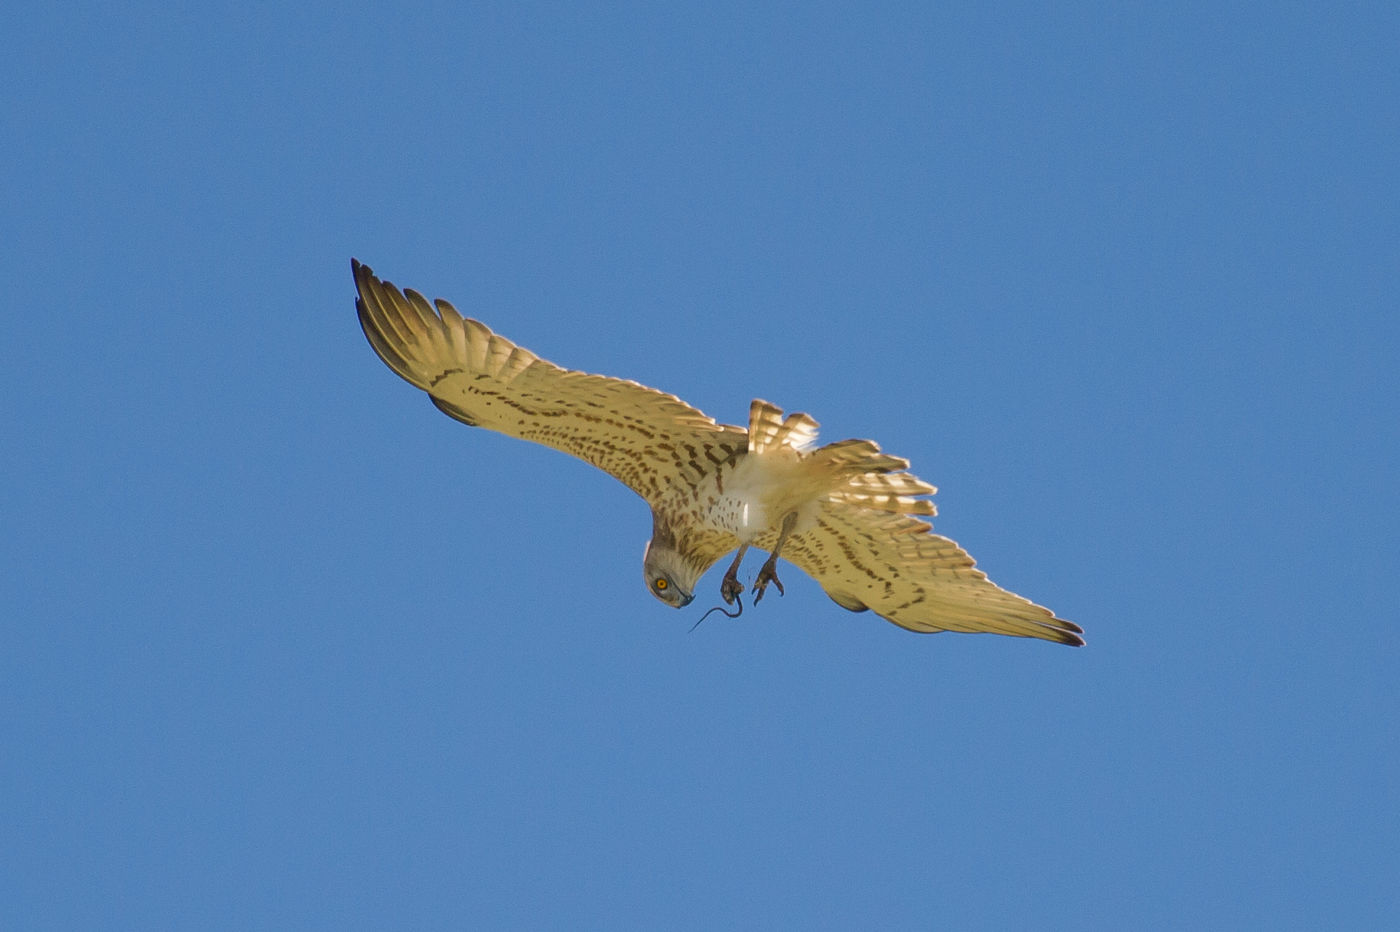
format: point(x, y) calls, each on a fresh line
point(643, 437)
point(893, 565)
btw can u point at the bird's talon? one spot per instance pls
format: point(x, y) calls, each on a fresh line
point(730, 589)
point(766, 575)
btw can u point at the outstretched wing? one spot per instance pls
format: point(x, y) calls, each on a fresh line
point(644, 437)
point(891, 564)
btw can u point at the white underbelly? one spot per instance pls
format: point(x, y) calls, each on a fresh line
point(744, 517)
point(760, 492)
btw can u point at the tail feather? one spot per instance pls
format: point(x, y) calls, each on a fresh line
point(893, 504)
point(851, 472)
point(769, 430)
point(898, 483)
point(868, 478)
point(858, 457)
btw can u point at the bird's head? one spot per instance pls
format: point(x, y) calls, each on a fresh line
point(669, 577)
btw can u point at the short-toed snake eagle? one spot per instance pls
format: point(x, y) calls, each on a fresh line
point(845, 513)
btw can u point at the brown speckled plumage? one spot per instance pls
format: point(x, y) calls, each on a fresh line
point(858, 534)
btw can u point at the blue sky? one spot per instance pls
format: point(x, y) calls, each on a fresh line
point(285, 647)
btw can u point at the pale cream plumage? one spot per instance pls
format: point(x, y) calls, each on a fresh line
point(841, 512)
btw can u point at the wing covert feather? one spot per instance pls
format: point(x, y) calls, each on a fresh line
point(894, 566)
point(643, 437)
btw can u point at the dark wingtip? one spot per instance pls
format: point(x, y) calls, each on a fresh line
point(1071, 638)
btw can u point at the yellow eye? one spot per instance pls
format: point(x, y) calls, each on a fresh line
point(661, 585)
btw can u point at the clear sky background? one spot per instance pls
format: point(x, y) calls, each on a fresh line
point(283, 647)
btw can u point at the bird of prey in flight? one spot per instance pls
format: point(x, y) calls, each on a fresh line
point(845, 513)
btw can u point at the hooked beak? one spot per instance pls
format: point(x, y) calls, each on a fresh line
point(685, 601)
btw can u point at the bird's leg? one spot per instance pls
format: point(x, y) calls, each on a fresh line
point(769, 571)
point(730, 588)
